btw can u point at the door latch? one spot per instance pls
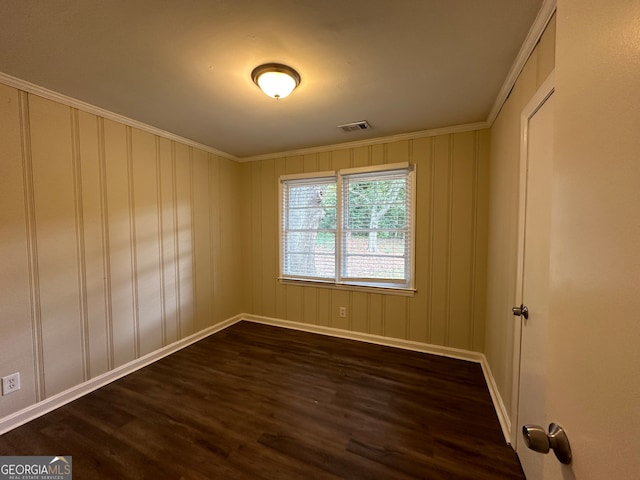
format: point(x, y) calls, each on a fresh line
point(521, 311)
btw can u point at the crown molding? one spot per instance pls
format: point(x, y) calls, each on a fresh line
point(533, 37)
point(467, 127)
point(101, 112)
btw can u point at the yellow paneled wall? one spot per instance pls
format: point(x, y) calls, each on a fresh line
point(114, 242)
point(503, 213)
point(451, 228)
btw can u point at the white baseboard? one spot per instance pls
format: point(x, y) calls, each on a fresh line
point(369, 338)
point(34, 411)
point(498, 404)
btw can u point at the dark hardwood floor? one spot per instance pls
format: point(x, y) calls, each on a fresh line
point(255, 401)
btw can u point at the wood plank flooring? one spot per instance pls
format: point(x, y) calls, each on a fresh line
point(256, 401)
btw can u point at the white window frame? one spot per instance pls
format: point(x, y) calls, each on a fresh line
point(339, 280)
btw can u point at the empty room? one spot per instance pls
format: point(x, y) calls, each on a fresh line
point(282, 239)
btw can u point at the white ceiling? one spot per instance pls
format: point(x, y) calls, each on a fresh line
point(184, 66)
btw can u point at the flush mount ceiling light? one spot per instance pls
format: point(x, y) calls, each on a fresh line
point(275, 80)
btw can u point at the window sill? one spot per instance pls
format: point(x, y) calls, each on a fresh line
point(352, 287)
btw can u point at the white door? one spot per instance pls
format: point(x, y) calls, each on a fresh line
point(533, 279)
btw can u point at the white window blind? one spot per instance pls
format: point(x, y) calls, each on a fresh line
point(308, 237)
point(376, 234)
point(351, 227)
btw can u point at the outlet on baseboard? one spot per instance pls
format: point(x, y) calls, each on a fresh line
point(11, 383)
point(343, 312)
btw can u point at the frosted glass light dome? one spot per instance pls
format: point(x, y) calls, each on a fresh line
point(276, 80)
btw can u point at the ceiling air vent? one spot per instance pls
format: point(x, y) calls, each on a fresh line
point(355, 126)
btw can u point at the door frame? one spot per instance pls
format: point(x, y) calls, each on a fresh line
point(539, 98)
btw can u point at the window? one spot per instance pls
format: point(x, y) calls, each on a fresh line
point(354, 226)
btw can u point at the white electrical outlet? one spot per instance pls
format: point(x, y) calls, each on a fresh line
point(11, 383)
point(343, 312)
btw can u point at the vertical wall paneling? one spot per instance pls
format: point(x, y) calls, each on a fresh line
point(409, 151)
point(441, 235)
point(234, 264)
point(169, 240)
point(185, 246)
point(106, 244)
point(281, 290)
point(323, 301)
point(55, 215)
point(310, 162)
point(451, 185)
point(176, 238)
point(80, 243)
point(161, 247)
point(18, 342)
point(238, 211)
point(449, 276)
point(215, 233)
point(395, 316)
point(146, 241)
point(377, 154)
point(418, 321)
point(202, 237)
point(229, 236)
point(294, 303)
point(92, 249)
point(222, 272)
point(398, 151)
point(310, 305)
point(340, 159)
point(192, 223)
point(293, 164)
point(360, 157)
point(375, 314)
point(474, 241)
point(115, 242)
point(246, 195)
point(432, 203)
point(192, 257)
point(225, 237)
point(359, 312)
point(395, 308)
point(132, 237)
point(168, 250)
point(461, 239)
point(324, 161)
point(120, 251)
point(32, 246)
point(482, 238)
point(269, 237)
point(257, 260)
